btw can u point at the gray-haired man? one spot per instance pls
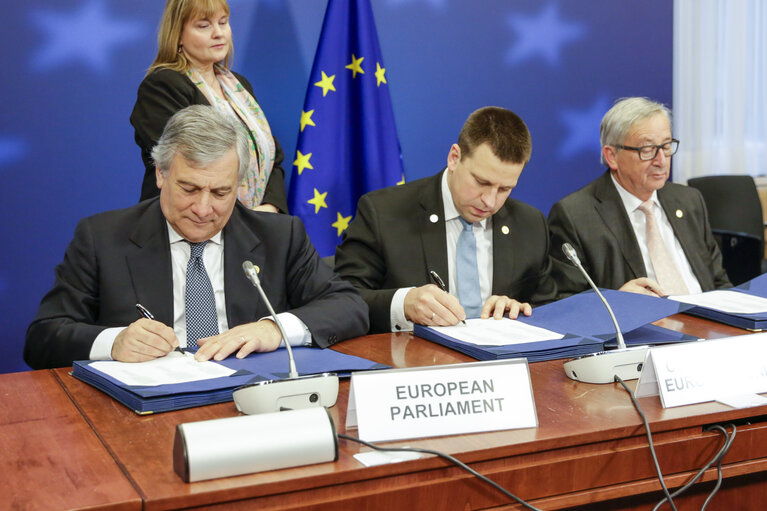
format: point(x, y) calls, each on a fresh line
point(631, 229)
point(142, 255)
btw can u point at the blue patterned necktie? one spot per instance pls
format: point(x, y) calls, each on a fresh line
point(467, 273)
point(201, 317)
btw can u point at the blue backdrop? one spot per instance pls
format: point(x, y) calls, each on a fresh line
point(73, 66)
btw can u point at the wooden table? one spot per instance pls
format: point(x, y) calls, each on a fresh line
point(51, 458)
point(589, 451)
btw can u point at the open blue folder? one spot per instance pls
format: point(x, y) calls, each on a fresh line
point(757, 321)
point(254, 367)
point(585, 323)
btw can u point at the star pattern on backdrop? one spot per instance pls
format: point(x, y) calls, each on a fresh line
point(583, 127)
point(542, 35)
point(12, 149)
point(87, 34)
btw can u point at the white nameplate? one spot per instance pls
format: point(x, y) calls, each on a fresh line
point(441, 400)
point(713, 370)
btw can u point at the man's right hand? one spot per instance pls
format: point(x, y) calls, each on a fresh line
point(429, 305)
point(144, 339)
point(643, 286)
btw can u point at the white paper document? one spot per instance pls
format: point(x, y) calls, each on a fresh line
point(497, 332)
point(174, 367)
point(726, 301)
point(374, 458)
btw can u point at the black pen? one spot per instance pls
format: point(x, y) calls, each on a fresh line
point(148, 315)
point(440, 284)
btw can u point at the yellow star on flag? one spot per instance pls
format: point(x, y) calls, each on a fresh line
point(306, 119)
point(326, 83)
point(341, 223)
point(380, 75)
point(356, 66)
point(302, 162)
point(318, 201)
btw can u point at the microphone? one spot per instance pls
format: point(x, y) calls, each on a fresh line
point(250, 272)
point(604, 366)
point(295, 392)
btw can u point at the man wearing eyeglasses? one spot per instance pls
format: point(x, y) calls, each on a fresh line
point(633, 230)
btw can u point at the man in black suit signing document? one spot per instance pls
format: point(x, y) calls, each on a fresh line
point(631, 228)
point(454, 245)
point(180, 257)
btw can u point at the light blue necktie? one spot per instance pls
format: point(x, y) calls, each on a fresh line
point(201, 317)
point(467, 273)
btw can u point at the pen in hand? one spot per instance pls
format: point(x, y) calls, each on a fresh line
point(148, 315)
point(440, 284)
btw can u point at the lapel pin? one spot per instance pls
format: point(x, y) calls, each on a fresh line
point(679, 213)
point(433, 219)
point(505, 229)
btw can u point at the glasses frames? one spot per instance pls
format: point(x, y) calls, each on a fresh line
point(649, 152)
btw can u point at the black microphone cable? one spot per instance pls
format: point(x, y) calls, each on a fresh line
point(447, 457)
point(717, 458)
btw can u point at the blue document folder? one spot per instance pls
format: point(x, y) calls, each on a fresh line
point(585, 323)
point(758, 321)
point(255, 367)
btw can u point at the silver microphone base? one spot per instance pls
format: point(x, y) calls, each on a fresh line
point(604, 366)
point(291, 394)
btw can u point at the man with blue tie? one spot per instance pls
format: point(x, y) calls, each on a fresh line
point(178, 259)
point(456, 230)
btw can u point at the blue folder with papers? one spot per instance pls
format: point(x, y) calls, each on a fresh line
point(255, 367)
point(755, 321)
point(585, 324)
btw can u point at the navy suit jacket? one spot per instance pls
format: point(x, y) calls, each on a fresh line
point(398, 236)
point(122, 257)
point(594, 221)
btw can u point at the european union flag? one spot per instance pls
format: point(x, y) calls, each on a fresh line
point(348, 142)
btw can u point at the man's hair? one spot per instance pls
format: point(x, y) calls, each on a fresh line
point(176, 14)
point(503, 130)
point(617, 122)
point(201, 135)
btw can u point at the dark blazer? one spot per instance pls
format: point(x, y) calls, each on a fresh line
point(122, 257)
point(594, 221)
point(163, 93)
point(393, 243)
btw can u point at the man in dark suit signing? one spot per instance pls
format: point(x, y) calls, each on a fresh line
point(180, 256)
point(490, 251)
point(631, 228)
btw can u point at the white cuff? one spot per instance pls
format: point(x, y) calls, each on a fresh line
point(297, 332)
point(101, 349)
point(397, 312)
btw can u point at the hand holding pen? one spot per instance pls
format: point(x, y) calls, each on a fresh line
point(148, 315)
point(440, 284)
point(430, 305)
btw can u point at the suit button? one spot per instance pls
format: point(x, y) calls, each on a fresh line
point(332, 339)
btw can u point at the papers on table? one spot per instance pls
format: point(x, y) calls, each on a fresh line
point(175, 367)
point(732, 302)
point(744, 306)
point(500, 332)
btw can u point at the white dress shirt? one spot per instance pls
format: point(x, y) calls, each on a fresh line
point(483, 232)
point(637, 218)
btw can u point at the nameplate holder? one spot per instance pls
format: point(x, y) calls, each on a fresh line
point(725, 370)
point(398, 404)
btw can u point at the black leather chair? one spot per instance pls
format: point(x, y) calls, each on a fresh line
point(735, 214)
